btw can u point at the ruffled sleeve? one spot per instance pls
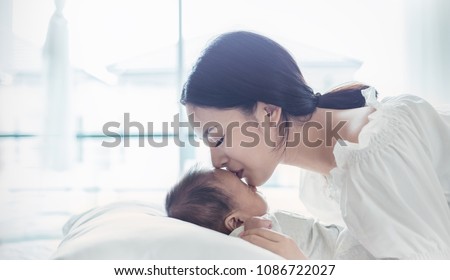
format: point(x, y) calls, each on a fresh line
point(391, 186)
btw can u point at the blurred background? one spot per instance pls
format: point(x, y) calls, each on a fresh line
point(69, 67)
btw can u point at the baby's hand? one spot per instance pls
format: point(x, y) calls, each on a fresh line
point(257, 222)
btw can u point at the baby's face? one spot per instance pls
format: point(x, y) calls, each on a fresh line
point(249, 201)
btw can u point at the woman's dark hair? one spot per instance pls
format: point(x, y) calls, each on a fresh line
point(195, 199)
point(238, 69)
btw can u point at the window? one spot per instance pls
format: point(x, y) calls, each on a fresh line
point(127, 64)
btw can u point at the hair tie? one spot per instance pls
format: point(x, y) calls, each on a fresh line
point(318, 96)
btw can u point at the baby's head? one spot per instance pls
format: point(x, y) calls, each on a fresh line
point(215, 199)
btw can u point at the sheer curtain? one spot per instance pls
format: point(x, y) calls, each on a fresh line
point(428, 49)
point(58, 126)
point(6, 36)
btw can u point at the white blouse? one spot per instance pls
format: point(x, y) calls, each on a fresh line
point(392, 189)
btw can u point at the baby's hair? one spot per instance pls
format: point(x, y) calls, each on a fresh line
point(197, 199)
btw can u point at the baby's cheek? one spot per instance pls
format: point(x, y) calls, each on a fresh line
point(257, 222)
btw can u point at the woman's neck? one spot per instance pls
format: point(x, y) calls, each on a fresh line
point(310, 145)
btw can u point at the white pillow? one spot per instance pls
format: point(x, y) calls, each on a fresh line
point(137, 231)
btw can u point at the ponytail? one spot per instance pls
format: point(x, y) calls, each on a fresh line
point(344, 97)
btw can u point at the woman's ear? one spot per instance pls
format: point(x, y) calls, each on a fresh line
point(233, 221)
point(267, 112)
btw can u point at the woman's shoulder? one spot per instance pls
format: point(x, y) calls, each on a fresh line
point(394, 118)
point(401, 125)
point(394, 101)
point(406, 102)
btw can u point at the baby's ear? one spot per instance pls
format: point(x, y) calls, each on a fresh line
point(233, 221)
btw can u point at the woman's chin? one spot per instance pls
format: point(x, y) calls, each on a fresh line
point(258, 182)
point(248, 181)
point(255, 183)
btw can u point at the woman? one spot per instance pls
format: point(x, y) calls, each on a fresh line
point(386, 164)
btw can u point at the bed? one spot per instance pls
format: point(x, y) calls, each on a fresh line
point(139, 230)
point(68, 224)
point(35, 219)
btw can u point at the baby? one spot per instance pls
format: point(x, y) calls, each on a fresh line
point(219, 200)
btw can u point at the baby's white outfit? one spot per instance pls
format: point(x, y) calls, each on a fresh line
point(316, 240)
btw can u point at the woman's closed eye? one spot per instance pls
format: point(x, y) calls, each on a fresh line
point(216, 141)
point(214, 135)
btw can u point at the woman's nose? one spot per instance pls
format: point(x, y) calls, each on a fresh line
point(218, 158)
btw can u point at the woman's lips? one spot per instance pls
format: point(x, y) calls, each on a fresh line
point(240, 173)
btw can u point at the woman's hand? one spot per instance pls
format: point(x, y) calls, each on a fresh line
point(275, 242)
point(257, 222)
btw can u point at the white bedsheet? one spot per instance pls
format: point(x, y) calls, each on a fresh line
point(28, 250)
point(32, 219)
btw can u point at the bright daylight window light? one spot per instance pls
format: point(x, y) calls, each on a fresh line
point(126, 60)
